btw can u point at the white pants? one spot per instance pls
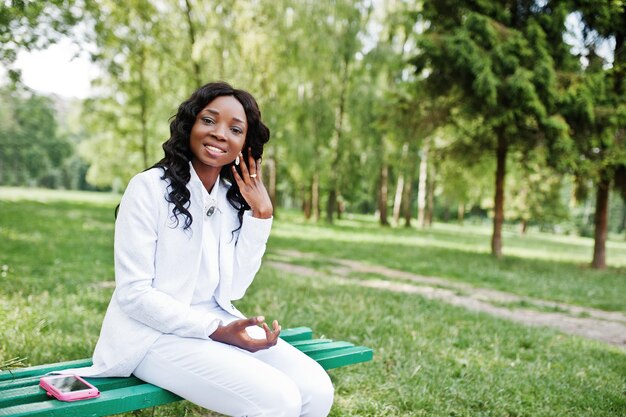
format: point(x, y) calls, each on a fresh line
point(275, 382)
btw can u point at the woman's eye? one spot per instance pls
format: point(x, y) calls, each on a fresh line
point(207, 120)
point(237, 130)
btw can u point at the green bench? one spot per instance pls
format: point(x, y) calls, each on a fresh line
point(21, 396)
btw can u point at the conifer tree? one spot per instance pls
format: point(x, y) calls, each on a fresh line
point(595, 107)
point(498, 61)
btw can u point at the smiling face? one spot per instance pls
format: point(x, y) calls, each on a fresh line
point(218, 134)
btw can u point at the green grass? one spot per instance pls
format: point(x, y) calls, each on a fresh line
point(537, 265)
point(431, 359)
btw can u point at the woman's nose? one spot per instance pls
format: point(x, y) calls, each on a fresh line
point(220, 131)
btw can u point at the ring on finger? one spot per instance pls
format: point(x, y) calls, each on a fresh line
point(252, 175)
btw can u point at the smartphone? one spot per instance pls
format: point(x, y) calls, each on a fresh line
point(68, 387)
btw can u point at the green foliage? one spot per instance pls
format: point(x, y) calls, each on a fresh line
point(534, 192)
point(504, 70)
point(33, 149)
point(496, 61)
point(594, 107)
point(349, 89)
point(595, 113)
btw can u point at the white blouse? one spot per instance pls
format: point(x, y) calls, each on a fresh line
point(209, 274)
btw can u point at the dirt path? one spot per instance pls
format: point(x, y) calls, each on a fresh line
point(609, 327)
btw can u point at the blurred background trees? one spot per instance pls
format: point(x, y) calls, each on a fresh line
point(508, 112)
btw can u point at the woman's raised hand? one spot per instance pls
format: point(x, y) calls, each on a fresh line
point(251, 185)
point(235, 334)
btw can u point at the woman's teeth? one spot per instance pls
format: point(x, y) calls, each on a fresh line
point(214, 149)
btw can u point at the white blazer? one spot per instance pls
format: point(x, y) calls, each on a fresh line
point(157, 264)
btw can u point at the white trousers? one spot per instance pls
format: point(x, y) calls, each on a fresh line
point(275, 382)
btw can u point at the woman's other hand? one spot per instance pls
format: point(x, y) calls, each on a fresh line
point(251, 185)
point(235, 334)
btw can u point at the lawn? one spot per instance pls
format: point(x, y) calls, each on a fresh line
point(431, 359)
point(537, 264)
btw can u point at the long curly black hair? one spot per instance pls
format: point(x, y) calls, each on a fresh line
point(178, 153)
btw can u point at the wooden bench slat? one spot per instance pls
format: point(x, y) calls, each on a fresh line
point(323, 347)
point(296, 333)
point(17, 383)
point(42, 369)
point(22, 395)
point(102, 383)
point(31, 392)
point(110, 402)
point(343, 357)
point(300, 343)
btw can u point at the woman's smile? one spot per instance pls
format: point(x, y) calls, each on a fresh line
point(214, 150)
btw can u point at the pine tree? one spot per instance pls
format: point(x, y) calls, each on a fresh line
point(498, 61)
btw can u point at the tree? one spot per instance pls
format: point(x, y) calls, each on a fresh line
point(595, 107)
point(350, 18)
point(498, 62)
point(143, 80)
point(31, 149)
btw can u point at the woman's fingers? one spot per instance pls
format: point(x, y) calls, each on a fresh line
point(241, 324)
point(252, 165)
point(237, 177)
point(272, 335)
point(268, 332)
point(238, 336)
point(258, 170)
point(245, 174)
point(250, 171)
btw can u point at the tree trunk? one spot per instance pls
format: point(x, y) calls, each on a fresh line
point(315, 196)
point(341, 207)
point(406, 201)
point(601, 221)
point(339, 115)
point(397, 200)
point(430, 197)
point(191, 32)
point(331, 205)
point(460, 213)
point(498, 218)
point(143, 104)
point(306, 202)
point(523, 227)
point(382, 194)
point(622, 226)
point(421, 187)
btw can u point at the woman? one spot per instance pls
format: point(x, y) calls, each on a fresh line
point(189, 238)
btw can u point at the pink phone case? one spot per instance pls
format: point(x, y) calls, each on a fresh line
point(68, 387)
